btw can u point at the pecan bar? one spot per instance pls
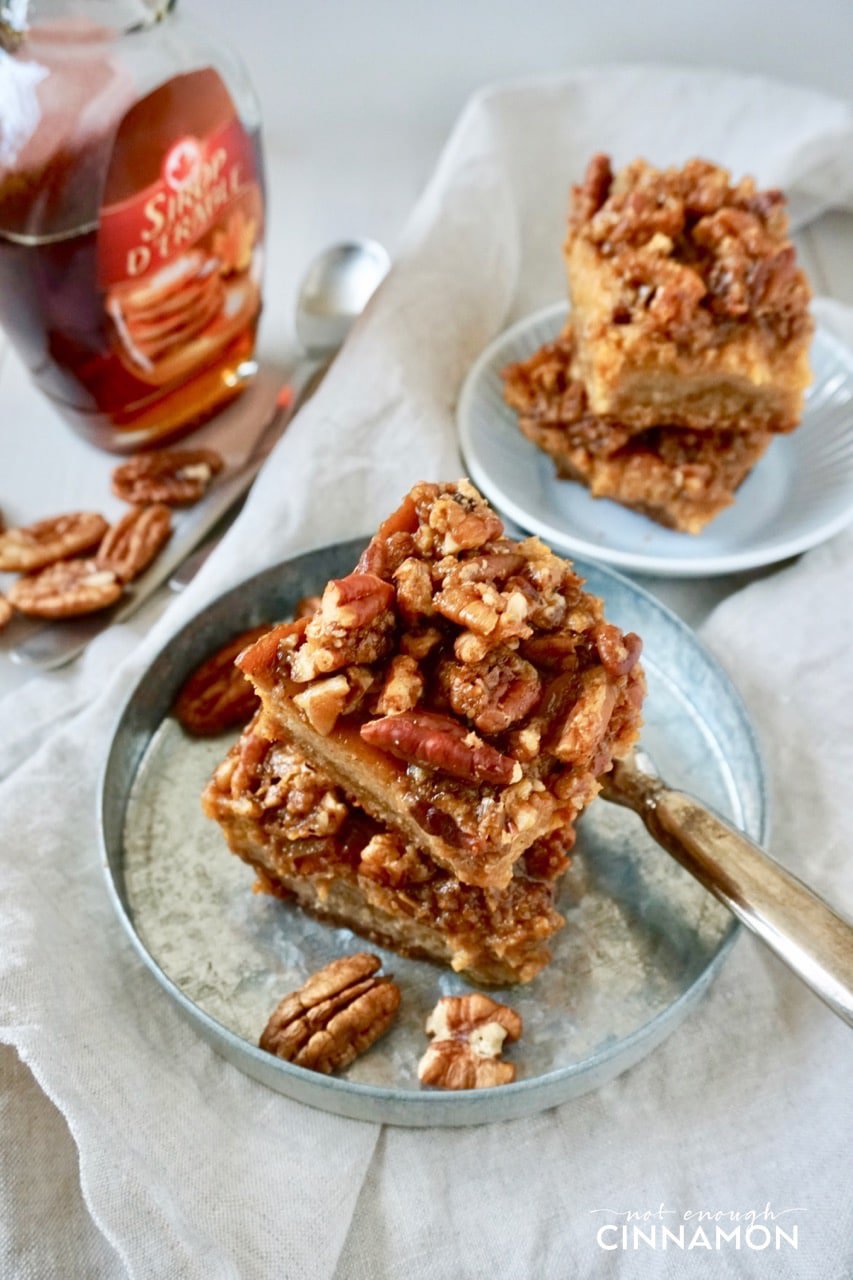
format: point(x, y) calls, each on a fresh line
point(309, 843)
point(689, 306)
point(461, 687)
point(679, 477)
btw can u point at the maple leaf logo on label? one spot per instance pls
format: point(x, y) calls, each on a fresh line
point(181, 163)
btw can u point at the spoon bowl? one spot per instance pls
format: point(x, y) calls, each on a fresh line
point(335, 290)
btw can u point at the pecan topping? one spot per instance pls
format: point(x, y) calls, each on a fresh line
point(492, 615)
point(355, 601)
point(419, 644)
point(353, 625)
point(691, 250)
point(334, 1017)
point(589, 196)
point(6, 612)
point(619, 653)
point(440, 742)
point(325, 700)
point(66, 589)
point(468, 1036)
point(178, 477)
point(217, 696)
point(59, 538)
point(463, 519)
point(494, 693)
point(414, 589)
point(392, 541)
point(131, 544)
point(280, 783)
point(403, 687)
point(579, 716)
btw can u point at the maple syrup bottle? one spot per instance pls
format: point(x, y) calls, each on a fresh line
point(131, 215)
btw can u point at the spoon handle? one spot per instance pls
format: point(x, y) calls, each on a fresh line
point(804, 931)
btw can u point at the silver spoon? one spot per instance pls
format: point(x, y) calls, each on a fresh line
point(334, 291)
point(798, 926)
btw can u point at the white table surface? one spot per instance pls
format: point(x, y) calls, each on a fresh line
point(357, 100)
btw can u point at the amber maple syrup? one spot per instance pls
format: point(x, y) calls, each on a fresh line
point(130, 264)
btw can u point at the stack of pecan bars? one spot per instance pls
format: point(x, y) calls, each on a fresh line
point(428, 738)
point(687, 346)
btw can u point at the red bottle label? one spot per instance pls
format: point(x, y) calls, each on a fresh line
point(180, 230)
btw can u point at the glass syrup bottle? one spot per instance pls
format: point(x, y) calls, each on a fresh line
point(131, 215)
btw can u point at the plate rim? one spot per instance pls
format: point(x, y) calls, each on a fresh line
point(388, 1104)
point(639, 562)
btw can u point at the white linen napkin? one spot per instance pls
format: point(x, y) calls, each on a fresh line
point(188, 1168)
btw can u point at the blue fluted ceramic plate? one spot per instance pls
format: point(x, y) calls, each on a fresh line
point(799, 494)
point(642, 940)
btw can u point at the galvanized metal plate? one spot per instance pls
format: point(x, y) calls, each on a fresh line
point(642, 940)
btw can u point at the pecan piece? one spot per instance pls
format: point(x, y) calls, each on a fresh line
point(322, 702)
point(414, 589)
point(131, 544)
point(334, 1017)
point(619, 653)
point(355, 601)
point(392, 541)
point(325, 700)
point(66, 589)
point(463, 519)
point(468, 1034)
point(178, 477)
point(494, 693)
point(440, 742)
point(578, 714)
point(403, 687)
point(36, 545)
point(6, 612)
point(353, 625)
point(217, 696)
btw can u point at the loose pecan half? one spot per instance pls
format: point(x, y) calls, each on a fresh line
point(334, 1017)
point(440, 742)
point(131, 544)
point(66, 589)
point(36, 545)
point(6, 612)
point(217, 696)
point(178, 477)
point(468, 1037)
